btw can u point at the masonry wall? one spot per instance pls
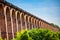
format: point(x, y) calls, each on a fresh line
point(13, 20)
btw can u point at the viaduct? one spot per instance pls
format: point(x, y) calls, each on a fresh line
point(14, 19)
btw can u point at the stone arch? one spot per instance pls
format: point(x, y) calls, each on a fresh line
point(29, 17)
point(26, 21)
point(40, 23)
point(8, 19)
point(13, 22)
point(29, 22)
point(19, 21)
point(16, 19)
point(37, 23)
point(22, 16)
point(18, 15)
point(13, 14)
point(22, 20)
point(26, 17)
point(44, 24)
point(32, 22)
point(8, 13)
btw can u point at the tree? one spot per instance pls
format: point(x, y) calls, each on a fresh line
point(54, 25)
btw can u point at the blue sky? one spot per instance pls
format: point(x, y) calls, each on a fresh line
point(48, 10)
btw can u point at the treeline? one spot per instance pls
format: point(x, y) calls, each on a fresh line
point(54, 25)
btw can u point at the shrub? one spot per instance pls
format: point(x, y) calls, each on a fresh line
point(23, 35)
point(38, 34)
point(0, 38)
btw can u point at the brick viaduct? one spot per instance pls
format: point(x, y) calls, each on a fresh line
point(14, 19)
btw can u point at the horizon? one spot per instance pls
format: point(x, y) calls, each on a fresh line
point(48, 10)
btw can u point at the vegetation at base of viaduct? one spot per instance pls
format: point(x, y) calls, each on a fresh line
point(37, 34)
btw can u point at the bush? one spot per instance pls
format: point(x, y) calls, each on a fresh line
point(0, 38)
point(23, 35)
point(38, 34)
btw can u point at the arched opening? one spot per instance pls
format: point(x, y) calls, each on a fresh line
point(14, 22)
point(22, 16)
point(26, 18)
point(19, 21)
point(9, 29)
point(2, 22)
point(33, 22)
point(37, 23)
point(40, 23)
point(29, 22)
point(23, 20)
point(8, 14)
point(13, 15)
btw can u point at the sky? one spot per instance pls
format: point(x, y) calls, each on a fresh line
point(48, 10)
